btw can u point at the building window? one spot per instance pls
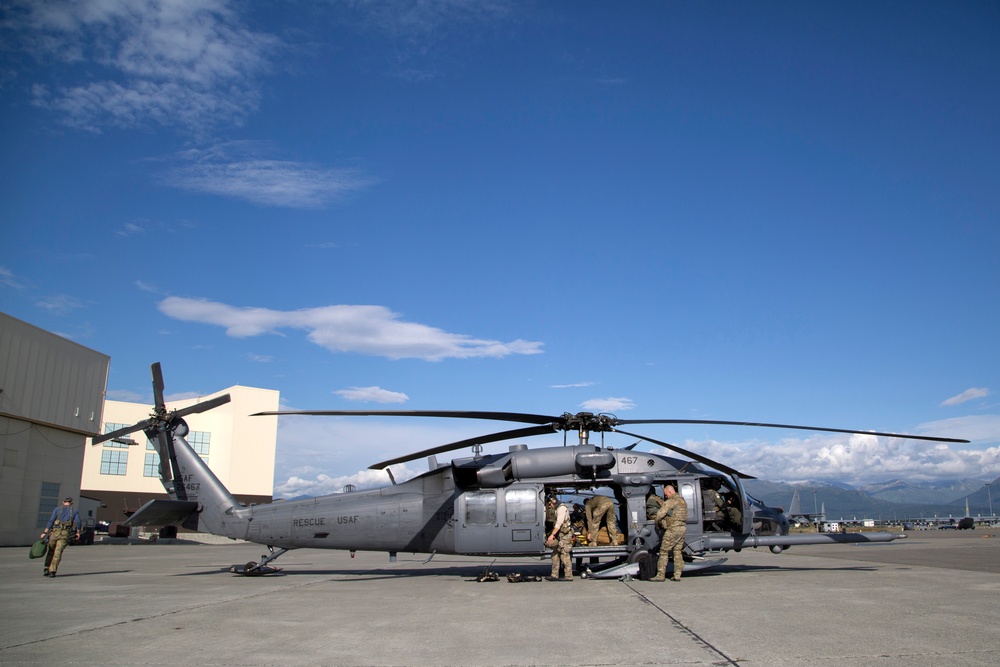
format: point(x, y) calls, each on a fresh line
point(201, 443)
point(47, 502)
point(111, 426)
point(151, 467)
point(113, 463)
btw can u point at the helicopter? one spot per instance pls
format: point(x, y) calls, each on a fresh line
point(486, 504)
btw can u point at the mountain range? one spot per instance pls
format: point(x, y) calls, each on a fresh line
point(892, 500)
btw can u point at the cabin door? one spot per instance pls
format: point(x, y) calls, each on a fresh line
point(499, 521)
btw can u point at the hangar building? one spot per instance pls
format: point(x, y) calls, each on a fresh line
point(51, 401)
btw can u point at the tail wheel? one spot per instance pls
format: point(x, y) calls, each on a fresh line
point(250, 567)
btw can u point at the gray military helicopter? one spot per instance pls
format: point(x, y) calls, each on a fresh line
point(486, 504)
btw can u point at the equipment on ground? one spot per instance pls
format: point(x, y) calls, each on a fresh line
point(486, 504)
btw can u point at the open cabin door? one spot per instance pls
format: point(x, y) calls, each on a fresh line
point(500, 521)
point(744, 505)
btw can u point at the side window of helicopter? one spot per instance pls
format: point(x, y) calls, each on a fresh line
point(521, 506)
point(481, 507)
point(687, 491)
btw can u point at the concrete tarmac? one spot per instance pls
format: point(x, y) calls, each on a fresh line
point(929, 600)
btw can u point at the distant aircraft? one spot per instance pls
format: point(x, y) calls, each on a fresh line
point(795, 513)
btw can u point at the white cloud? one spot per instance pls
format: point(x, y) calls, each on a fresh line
point(371, 330)
point(322, 484)
point(236, 169)
point(7, 278)
point(313, 451)
point(574, 385)
point(977, 428)
point(130, 229)
point(855, 458)
point(59, 304)
point(372, 395)
point(609, 404)
point(260, 358)
point(967, 395)
point(127, 396)
point(188, 63)
point(416, 21)
point(146, 287)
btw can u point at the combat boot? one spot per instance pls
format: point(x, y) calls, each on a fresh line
point(658, 577)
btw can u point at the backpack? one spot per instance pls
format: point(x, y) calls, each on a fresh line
point(38, 549)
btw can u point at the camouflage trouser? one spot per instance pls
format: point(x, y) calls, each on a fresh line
point(672, 542)
point(560, 554)
point(607, 513)
point(58, 540)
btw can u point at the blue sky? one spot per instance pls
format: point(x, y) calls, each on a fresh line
point(780, 212)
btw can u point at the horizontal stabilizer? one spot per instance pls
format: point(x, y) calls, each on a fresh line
point(163, 513)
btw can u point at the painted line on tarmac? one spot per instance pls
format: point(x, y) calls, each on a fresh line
point(698, 639)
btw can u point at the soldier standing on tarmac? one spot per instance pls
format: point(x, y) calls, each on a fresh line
point(562, 536)
point(60, 529)
point(672, 517)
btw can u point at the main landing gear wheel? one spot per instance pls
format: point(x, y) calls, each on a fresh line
point(253, 569)
point(646, 562)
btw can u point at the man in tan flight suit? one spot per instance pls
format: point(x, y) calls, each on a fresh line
point(562, 535)
point(62, 526)
point(672, 517)
point(598, 509)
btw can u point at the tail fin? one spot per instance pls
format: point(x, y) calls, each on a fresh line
point(217, 511)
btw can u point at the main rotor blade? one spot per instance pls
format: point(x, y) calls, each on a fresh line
point(104, 437)
point(697, 457)
point(203, 406)
point(792, 426)
point(480, 440)
point(157, 386)
point(166, 465)
point(456, 414)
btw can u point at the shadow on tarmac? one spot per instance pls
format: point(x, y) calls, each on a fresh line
point(472, 573)
point(90, 574)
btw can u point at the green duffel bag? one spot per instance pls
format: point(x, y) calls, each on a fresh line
point(38, 549)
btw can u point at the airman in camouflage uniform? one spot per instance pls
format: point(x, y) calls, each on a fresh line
point(712, 501)
point(672, 517)
point(653, 503)
point(598, 509)
point(562, 534)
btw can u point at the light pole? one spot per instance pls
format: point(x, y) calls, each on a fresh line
point(990, 496)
